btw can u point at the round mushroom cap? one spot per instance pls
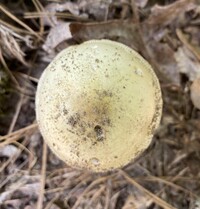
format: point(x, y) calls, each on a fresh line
point(98, 105)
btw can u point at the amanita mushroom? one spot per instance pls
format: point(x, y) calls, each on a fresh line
point(98, 105)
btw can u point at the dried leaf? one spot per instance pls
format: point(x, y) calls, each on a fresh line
point(187, 63)
point(183, 38)
point(31, 190)
point(8, 151)
point(15, 203)
point(121, 31)
point(29, 207)
point(57, 34)
point(129, 204)
point(141, 3)
point(197, 204)
point(67, 6)
point(97, 9)
point(5, 196)
point(163, 15)
point(164, 57)
point(53, 206)
point(195, 93)
point(55, 7)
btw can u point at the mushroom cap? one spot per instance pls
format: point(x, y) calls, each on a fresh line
point(98, 105)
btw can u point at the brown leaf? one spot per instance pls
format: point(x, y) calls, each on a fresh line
point(163, 55)
point(163, 15)
point(187, 63)
point(122, 31)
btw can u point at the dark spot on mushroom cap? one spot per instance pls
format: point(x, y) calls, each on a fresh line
point(99, 133)
point(73, 120)
point(65, 111)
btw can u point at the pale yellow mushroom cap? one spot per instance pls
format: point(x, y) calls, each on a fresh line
point(98, 105)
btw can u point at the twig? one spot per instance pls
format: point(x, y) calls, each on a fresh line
point(14, 28)
point(3, 9)
point(14, 136)
point(97, 193)
point(17, 111)
point(184, 40)
point(39, 7)
point(49, 204)
point(8, 70)
point(13, 158)
point(156, 199)
point(108, 194)
point(97, 181)
point(31, 78)
point(43, 177)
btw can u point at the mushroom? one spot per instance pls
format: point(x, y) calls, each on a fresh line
point(98, 105)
